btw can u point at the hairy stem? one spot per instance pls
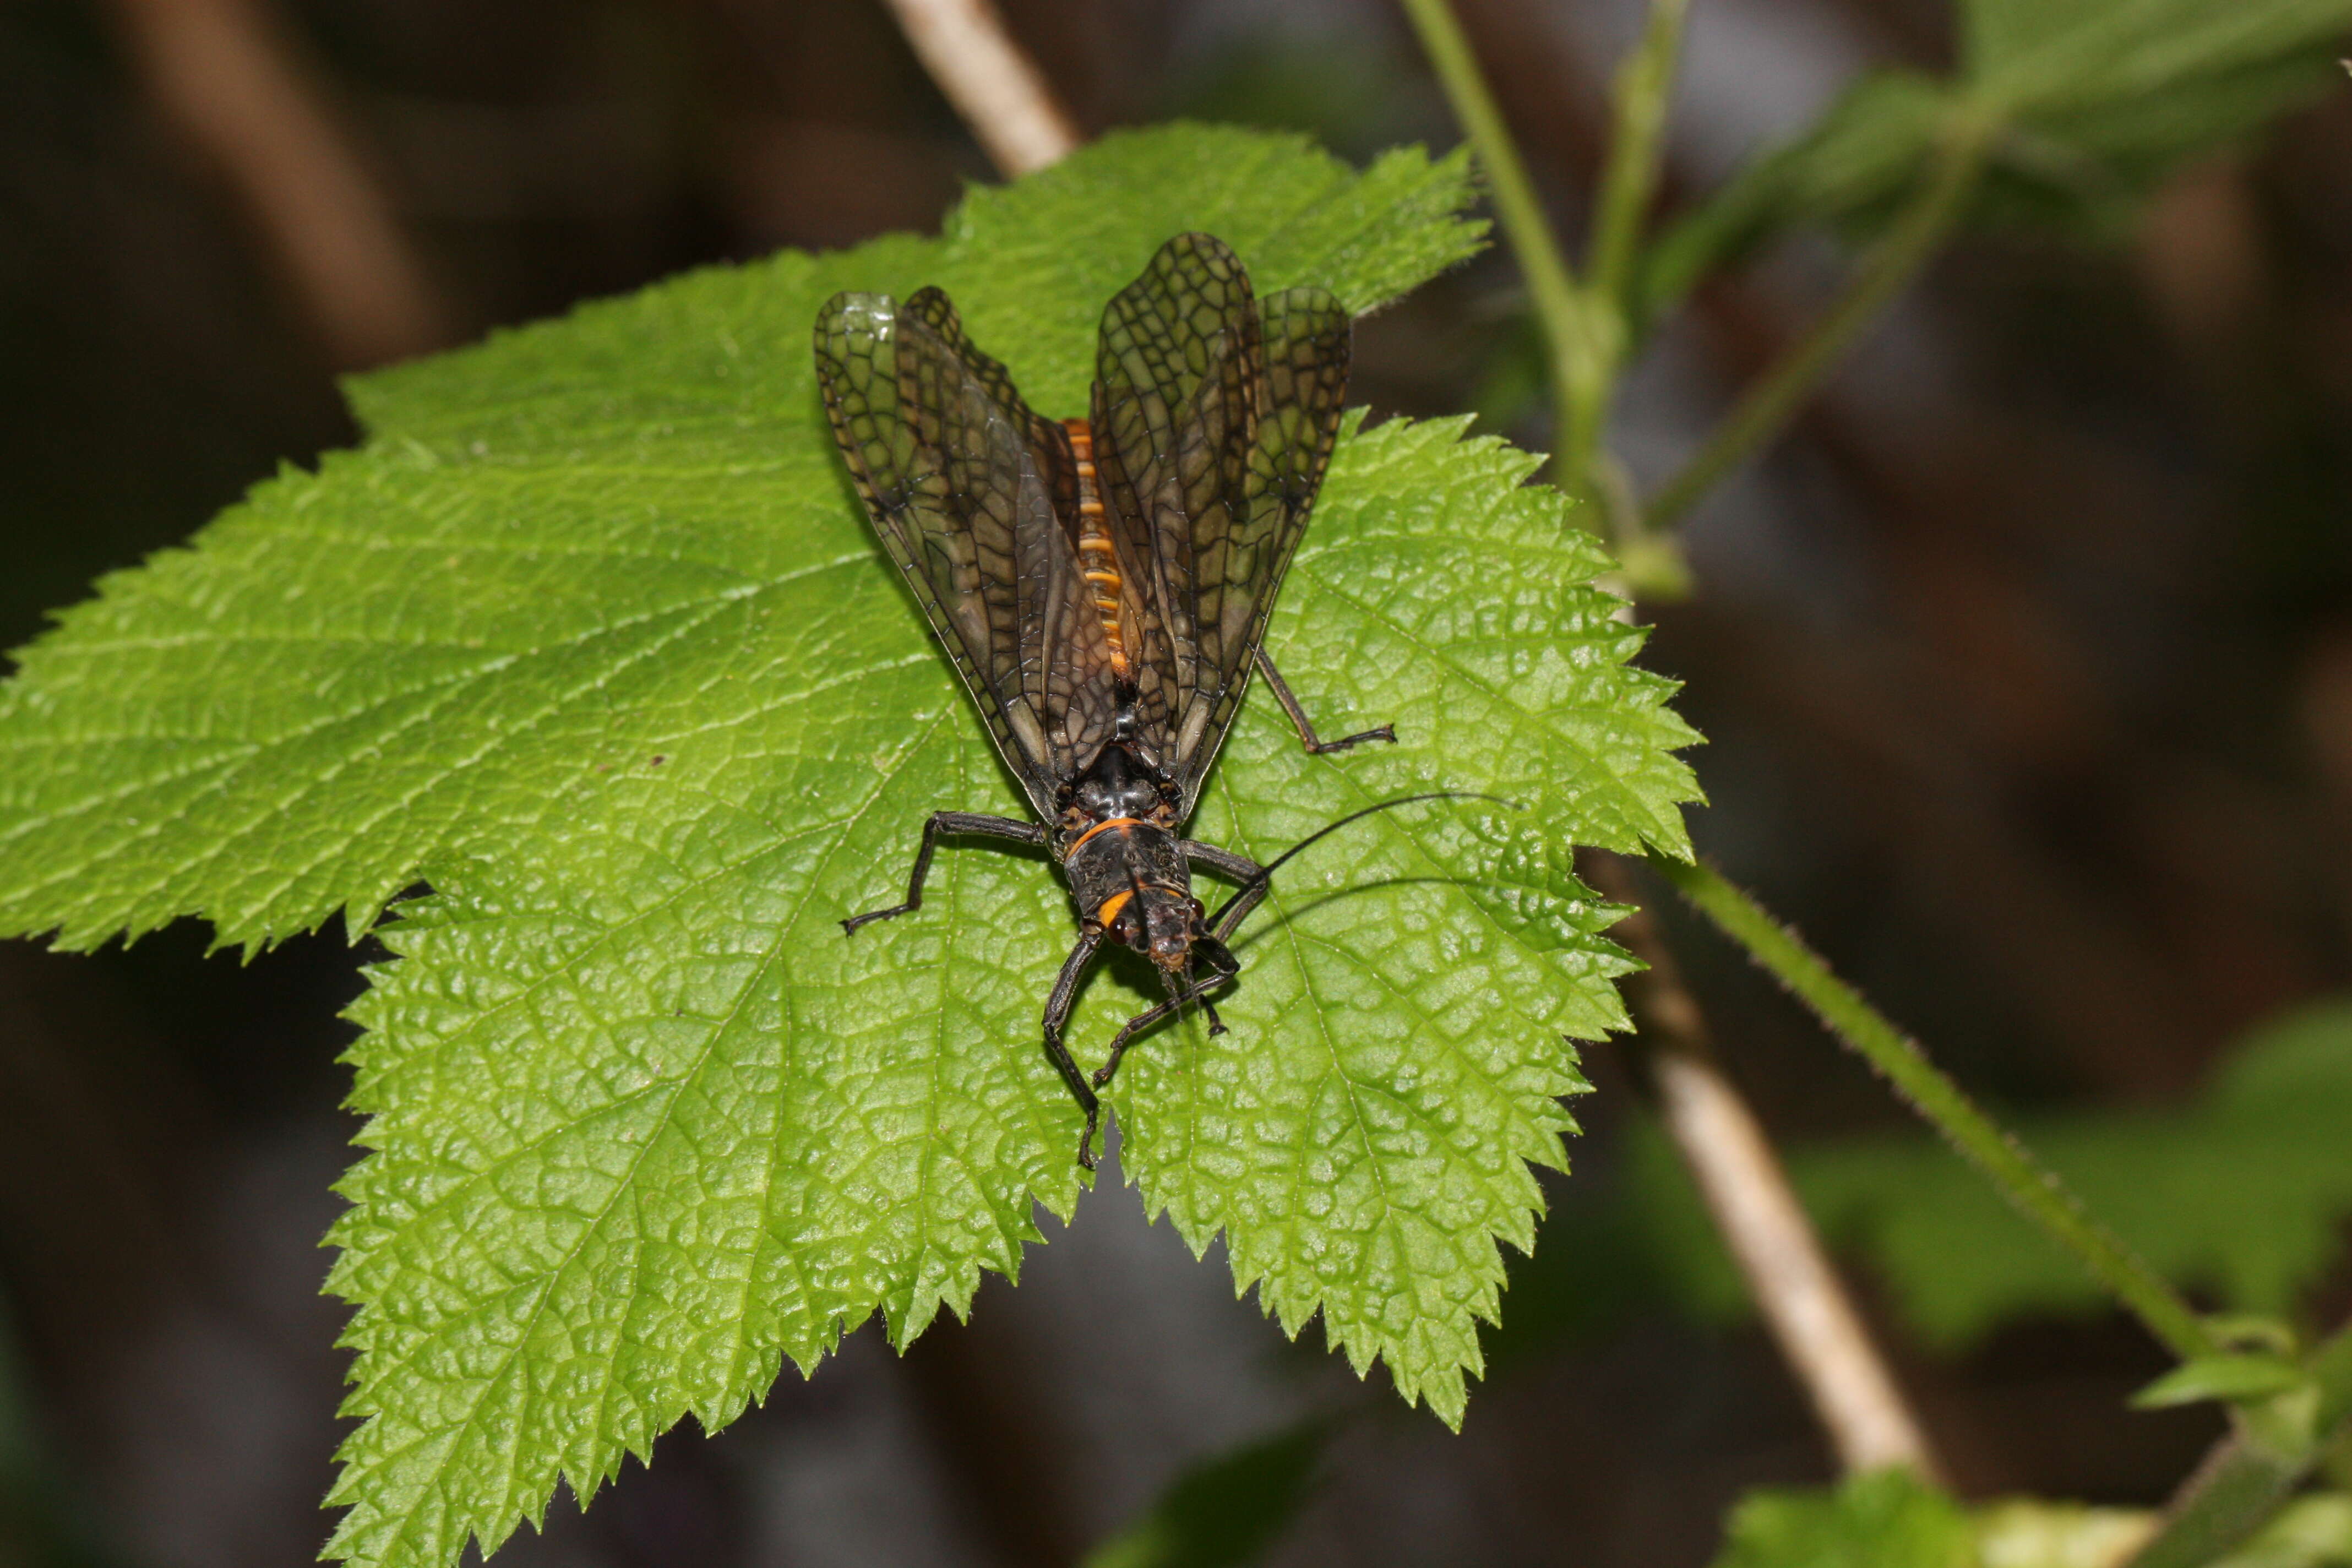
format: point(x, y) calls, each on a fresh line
point(1577, 368)
point(1765, 409)
point(1636, 148)
point(1821, 1334)
point(993, 84)
point(2033, 1188)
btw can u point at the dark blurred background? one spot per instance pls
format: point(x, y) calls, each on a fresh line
point(2026, 665)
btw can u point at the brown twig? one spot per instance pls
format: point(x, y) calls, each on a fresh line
point(219, 72)
point(994, 84)
point(1805, 1305)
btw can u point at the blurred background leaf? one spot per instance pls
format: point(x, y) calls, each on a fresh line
point(2239, 1195)
point(1884, 1519)
point(2097, 100)
point(1892, 1519)
point(1225, 1512)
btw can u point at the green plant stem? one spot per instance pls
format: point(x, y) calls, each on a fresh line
point(1576, 367)
point(1765, 409)
point(1636, 143)
point(2250, 1473)
point(2035, 1189)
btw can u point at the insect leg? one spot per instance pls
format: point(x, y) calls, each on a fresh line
point(1240, 867)
point(1145, 1019)
point(1057, 1012)
point(1232, 914)
point(1248, 872)
point(951, 822)
point(1132, 1027)
point(1306, 736)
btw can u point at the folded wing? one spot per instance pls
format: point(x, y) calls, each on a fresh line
point(1214, 416)
point(972, 495)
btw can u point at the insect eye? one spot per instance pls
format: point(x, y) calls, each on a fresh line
point(1198, 912)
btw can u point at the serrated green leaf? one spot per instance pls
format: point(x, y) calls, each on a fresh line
point(1392, 1045)
point(592, 637)
point(667, 1126)
point(1880, 1518)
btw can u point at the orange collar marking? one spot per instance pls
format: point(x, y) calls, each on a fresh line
point(1098, 828)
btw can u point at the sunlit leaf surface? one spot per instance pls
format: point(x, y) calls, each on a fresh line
point(592, 638)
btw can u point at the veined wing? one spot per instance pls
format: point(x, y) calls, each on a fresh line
point(972, 495)
point(1175, 409)
point(1217, 414)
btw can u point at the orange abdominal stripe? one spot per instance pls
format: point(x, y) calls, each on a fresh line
point(1098, 828)
point(1109, 908)
point(1097, 558)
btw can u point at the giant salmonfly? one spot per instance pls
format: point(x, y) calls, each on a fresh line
point(1103, 584)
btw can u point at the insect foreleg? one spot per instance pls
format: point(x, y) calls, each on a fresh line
point(1227, 863)
point(1306, 736)
point(1224, 862)
point(1241, 869)
point(1057, 1012)
point(951, 822)
point(1145, 1019)
point(1232, 914)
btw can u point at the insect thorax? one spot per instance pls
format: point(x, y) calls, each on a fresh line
point(1119, 783)
point(1115, 835)
point(1122, 860)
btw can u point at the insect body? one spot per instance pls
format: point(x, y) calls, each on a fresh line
point(1103, 584)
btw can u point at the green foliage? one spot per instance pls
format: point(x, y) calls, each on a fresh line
point(1884, 1519)
point(2239, 1193)
point(2232, 1499)
point(2028, 1533)
point(2230, 1377)
point(1892, 1519)
point(592, 637)
point(2313, 1532)
point(2095, 100)
point(1225, 1511)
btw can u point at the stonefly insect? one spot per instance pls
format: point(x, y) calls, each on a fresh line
point(1103, 584)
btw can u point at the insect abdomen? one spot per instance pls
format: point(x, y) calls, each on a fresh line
point(1097, 558)
point(1113, 860)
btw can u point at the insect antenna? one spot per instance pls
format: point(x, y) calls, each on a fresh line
point(1265, 876)
point(1245, 897)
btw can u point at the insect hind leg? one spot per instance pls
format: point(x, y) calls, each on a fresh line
point(1316, 746)
point(947, 822)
